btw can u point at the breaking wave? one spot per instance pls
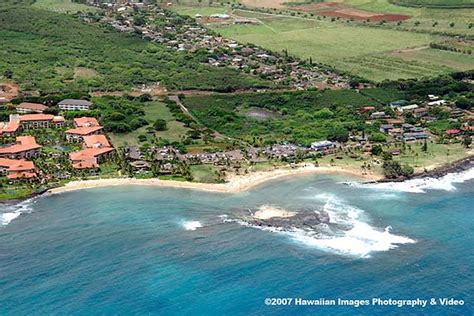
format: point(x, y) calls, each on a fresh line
point(445, 183)
point(14, 211)
point(347, 232)
point(191, 225)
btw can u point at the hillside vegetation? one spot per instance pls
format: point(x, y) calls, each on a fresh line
point(42, 50)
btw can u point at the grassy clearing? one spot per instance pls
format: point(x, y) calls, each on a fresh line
point(437, 155)
point(153, 111)
point(202, 10)
point(324, 41)
point(452, 60)
point(63, 6)
point(204, 174)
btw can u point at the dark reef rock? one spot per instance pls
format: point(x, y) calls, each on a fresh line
point(302, 220)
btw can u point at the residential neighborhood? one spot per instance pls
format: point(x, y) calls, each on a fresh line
point(186, 34)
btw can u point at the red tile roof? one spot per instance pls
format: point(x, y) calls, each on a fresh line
point(21, 175)
point(96, 141)
point(16, 164)
point(89, 154)
point(23, 143)
point(9, 127)
point(84, 130)
point(36, 117)
point(32, 106)
point(86, 122)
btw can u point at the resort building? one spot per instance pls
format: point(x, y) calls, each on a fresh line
point(76, 135)
point(323, 145)
point(36, 121)
point(84, 126)
point(27, 107)
point(86, 122)
point(75, 105)
point(15, 169)
point(91, 157)
point(96, 141)
point(9, 129)
point(25, 147)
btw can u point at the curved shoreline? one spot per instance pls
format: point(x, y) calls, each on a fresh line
point(235, 184)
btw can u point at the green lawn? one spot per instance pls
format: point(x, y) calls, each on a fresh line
point(202, 10)
point(204, 174)
point(451, 60)
point(63, 6)
point(437, 155)
point(153, 111)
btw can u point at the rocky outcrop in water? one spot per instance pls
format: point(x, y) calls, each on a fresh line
point(305, 219)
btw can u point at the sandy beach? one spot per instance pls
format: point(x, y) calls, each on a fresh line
point(234, 184)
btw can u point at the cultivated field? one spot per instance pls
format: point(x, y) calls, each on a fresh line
point(426, 19)
point(376, 53)
point(364, 51)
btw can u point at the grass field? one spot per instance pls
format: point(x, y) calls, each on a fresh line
point(63, 6)
point(438, 57)
point(374, 53)
point(360, 50)
point(204, 174)
point(154, 111)
point(202, 10)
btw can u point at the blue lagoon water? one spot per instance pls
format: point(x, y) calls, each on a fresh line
point(151, 250)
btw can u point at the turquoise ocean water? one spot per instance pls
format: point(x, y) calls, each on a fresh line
point(149, 250)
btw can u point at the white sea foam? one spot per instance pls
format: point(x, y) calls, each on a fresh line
point(446, 183)
point(191, 225)
point(14, 211)
point(347, 232)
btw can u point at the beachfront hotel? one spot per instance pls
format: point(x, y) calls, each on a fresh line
point(17, 169)
point(24, 147)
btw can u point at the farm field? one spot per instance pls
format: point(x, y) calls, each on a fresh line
point(448, 59)
point(356, 49)
point(340, 45)
point(451, 21)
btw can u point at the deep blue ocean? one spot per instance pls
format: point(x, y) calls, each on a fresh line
point(164, 251)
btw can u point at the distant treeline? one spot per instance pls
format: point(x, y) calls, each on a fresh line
point(443, 85)
point(441, 4)
point(467, 51)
